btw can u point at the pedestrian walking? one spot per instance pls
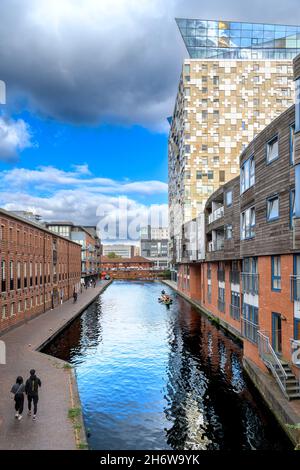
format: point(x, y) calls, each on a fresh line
point(18, 390)
point(75, 295)
point(32, 391)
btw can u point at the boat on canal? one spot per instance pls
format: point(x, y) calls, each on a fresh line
point(165, 299)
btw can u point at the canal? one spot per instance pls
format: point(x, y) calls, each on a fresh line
point(153, 377)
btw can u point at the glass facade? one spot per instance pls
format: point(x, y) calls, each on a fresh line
point(205, 39)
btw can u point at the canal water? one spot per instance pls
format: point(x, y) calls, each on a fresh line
point(152, 377)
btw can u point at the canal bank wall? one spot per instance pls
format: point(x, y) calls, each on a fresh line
point(287, 413)
point(59, 424)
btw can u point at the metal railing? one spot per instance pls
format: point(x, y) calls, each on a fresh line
point(221, 305)
point(250, 283)
point(216, 214)
point(269, 357)
point(235, 312)
point(295, 288)
point(234, 277)
point(250, 330)
point(216, 245)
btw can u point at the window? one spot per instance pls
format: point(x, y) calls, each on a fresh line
point(216, 115)
point(11, 275)
point(221, 299)
point(228, 232)
point(221, 176)
point(292, 208)
point(25, 275)
point(210, 175)
point(204, 114)
point(209, 293)
point(248, 223)
point(297, 329)
point(228, 198)
point(198, 175)
point(250, 322)
point(187, 68)
point(19, 306)
point(204, 148)
point(292, 146)
point(235, 305)
point(208, 270)
point(276, 272)
point(3, 276)
point(30, 273)
point(273, 208)
point(187, 92)
point(18, 275)
point(216, 80)
point(272, 149)
point(247, 174)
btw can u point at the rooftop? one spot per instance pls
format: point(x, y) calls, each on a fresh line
point(219, 39)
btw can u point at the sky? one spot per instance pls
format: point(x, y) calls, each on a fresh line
point(89, 86)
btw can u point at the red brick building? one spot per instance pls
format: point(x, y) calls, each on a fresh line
point(39, 269)
point(250, 275)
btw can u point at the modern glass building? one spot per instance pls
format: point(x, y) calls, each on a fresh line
point(237, 79)
point(206, 39)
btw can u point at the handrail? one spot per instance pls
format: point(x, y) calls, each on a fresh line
point(268, 355)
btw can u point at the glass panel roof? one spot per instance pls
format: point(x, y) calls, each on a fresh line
point(236, 40)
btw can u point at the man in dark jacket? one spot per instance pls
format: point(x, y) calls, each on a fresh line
point(32, 392)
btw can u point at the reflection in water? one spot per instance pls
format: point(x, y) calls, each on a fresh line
point(156, 378)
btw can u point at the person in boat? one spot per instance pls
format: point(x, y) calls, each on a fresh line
point(163, 292)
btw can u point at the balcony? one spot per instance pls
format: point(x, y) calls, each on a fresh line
point(216, 214)
point(234, 277)
point(216, 245)
point(295, 288)
point(250, 283)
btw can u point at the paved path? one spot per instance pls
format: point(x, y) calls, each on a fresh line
point(52, 429)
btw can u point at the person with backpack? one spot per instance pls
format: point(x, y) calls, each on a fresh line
point(18, 390)
point(32, 392)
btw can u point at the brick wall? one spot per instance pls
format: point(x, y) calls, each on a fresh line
point(27, 279)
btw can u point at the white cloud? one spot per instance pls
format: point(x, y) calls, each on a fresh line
point(50, 178)
point(81, 197)
point(15, 136)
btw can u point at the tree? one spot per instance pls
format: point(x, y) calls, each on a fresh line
point(112, 255)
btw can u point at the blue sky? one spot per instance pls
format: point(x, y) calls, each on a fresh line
point(90, 84)
point(123, 153)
